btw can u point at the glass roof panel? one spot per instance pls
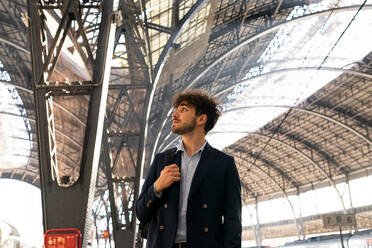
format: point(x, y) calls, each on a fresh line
point(160, 13)
point(297, 62)
point(185, 6)
point(196, 27)
point(14, 127)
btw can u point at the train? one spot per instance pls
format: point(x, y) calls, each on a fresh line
point(362, 239)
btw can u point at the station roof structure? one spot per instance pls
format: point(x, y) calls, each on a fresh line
point(294, 78)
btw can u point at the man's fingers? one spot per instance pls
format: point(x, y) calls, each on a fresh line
point(168, 176)
point(174, 174)
point(172, 166)
point(176, 177)
point(172, 170)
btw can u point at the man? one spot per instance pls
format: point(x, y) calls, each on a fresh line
point(194, 202)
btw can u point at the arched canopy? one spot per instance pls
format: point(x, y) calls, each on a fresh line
point(248, 53)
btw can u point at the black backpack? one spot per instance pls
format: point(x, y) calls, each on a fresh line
point(144, 226)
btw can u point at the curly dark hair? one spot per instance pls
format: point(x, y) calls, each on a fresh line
point(203, 104)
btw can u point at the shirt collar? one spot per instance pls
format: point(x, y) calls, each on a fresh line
point(180, 146)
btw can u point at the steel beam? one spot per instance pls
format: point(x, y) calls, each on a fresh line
point(133, 96)
point(311, 112)
point(343, 111)
point(16, 60)
point(14, 44)
point(175, 13)
point(74, 116)
point(159, 28)
point(71, 207)
point(119, 238)
point(269, 164)
point(34, 175)
point(245, 191)
point(57, 130)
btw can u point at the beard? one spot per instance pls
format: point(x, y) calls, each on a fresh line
point(185, 128)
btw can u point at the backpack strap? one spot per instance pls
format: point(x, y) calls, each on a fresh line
point(169, 155)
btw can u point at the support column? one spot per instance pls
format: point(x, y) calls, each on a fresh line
point(300, 219)
point(69, 206)
point(352, 209)
point(257, 229)
point(124, 125)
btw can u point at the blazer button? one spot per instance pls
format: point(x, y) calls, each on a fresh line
point(206, 229)
point(205, 205)
point(161, 227)
point(148, 203)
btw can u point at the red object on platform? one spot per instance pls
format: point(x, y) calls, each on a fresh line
point(105, 234)
point(62, 238)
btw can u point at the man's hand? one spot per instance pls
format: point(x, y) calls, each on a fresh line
point(168, 175)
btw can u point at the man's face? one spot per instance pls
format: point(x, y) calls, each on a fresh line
point(184, 119)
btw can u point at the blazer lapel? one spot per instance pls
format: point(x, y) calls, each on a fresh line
point(205, 163)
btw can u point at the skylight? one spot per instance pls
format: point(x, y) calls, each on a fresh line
point(160, 13)
point(196, 27)
point(288, 69)
point(14, 126)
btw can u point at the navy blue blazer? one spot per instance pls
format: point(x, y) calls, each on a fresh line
point(213, 217)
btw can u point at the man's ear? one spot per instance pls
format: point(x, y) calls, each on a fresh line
point(202, 119)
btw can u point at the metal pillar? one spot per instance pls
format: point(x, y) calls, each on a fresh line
point(122, 237)
point(69, 207)
point(108, 217)
point(257, 229)
point(300, 219)
point(352, 209)
point(124, 135)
